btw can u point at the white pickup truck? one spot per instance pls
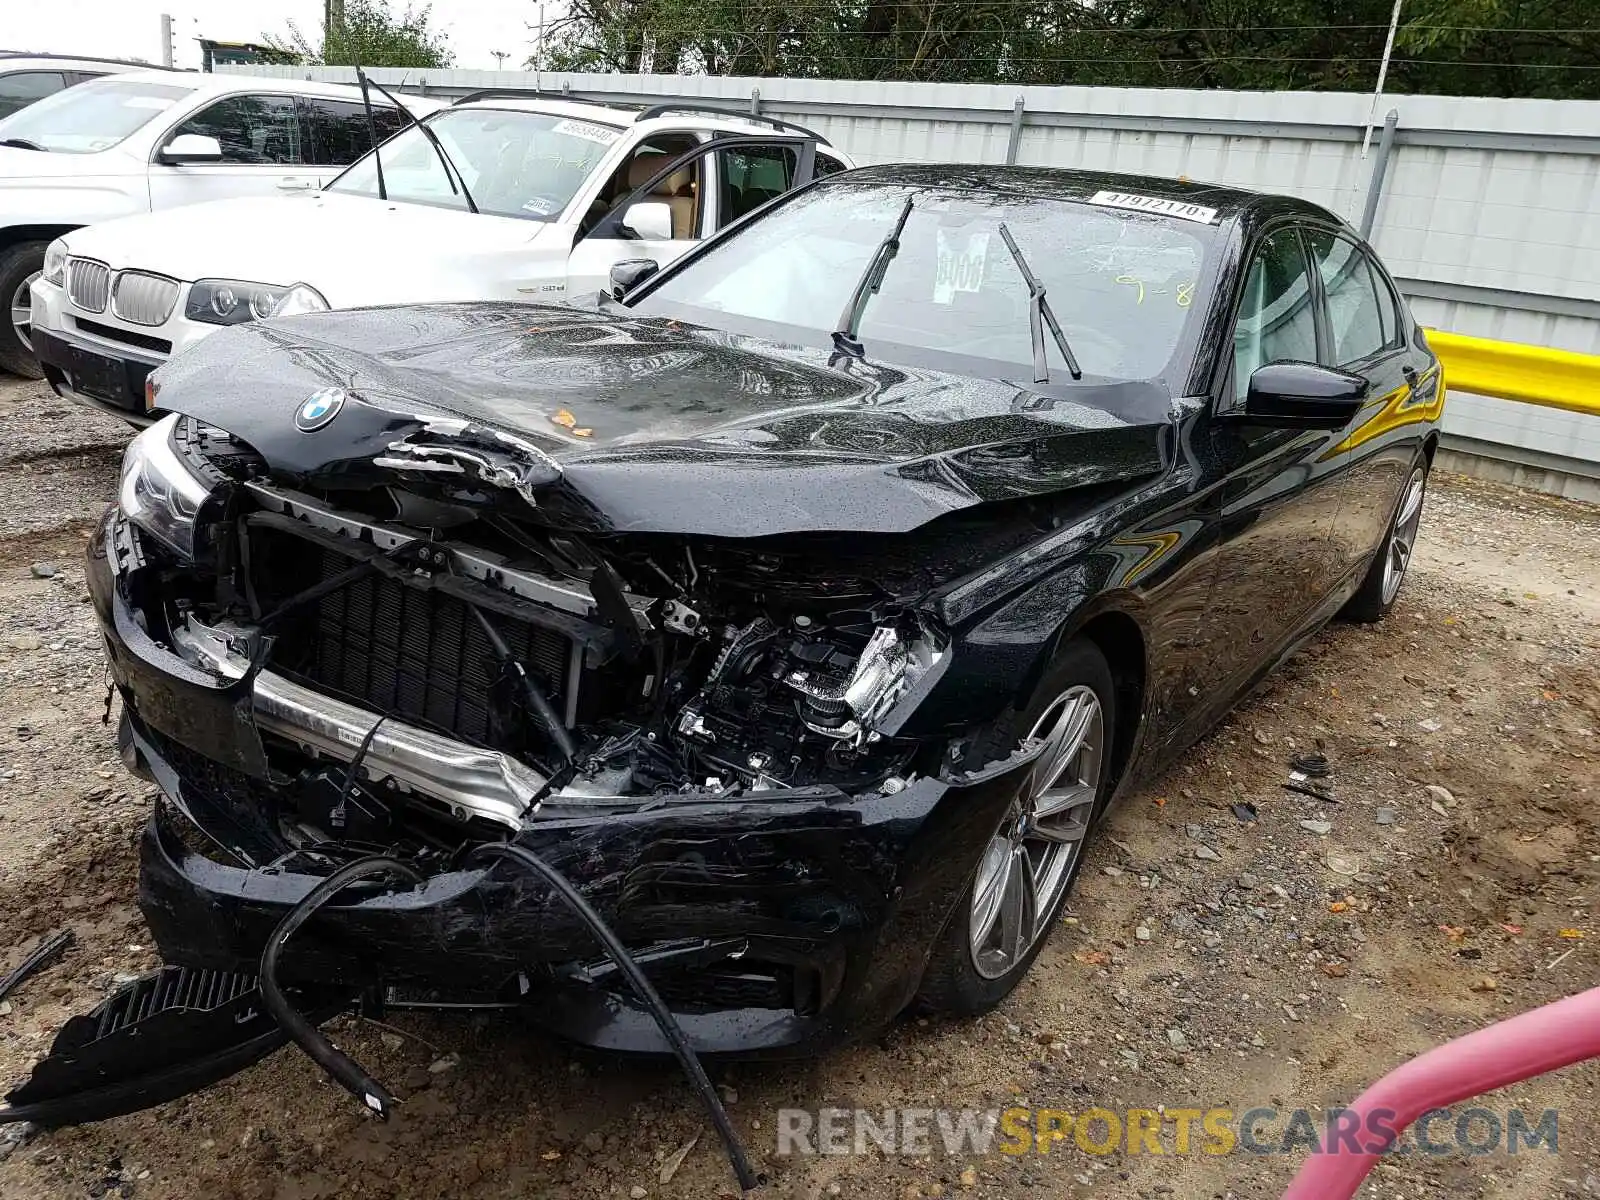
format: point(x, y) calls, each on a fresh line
point(515, 196)
point(146, 140)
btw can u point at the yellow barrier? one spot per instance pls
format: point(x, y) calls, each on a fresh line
point(1512, 371)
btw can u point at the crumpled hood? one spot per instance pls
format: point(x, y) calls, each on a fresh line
point(351, 248)
point(634, 424)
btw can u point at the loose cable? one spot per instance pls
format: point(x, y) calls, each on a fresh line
point(339, 1065)
point(645, 990)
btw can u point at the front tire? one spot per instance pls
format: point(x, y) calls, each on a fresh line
point(1379, 589)
point(1027, 868)
point(20, 265)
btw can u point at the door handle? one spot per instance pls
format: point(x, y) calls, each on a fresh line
point(295, 185)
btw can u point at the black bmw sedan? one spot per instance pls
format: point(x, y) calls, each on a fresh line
point(789, 620)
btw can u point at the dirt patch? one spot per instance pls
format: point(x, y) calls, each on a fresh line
point(1304, 953)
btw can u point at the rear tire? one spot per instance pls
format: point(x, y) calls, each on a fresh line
point(1025, 872)
point(1381, 587)
point(19, 266)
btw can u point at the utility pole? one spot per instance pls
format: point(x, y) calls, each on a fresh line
point(538, 53)
point(1383, 74)
point(167, 48)
point(332, 25)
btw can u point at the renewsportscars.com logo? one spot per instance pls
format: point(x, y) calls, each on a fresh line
point(1213, 1131)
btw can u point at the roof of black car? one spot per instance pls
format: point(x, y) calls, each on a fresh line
point(1064, 184)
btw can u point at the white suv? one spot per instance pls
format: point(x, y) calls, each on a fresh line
point(515, 196)
point(146, 140)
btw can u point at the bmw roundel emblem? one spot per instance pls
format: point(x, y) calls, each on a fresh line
point(320, 408)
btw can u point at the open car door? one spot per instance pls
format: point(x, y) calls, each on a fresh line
point(692, 197)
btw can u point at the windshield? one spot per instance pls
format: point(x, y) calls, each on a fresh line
point(1122, 284)
point(516, 164)
point(92, 116)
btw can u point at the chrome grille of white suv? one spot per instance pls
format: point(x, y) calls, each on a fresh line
point(88, 284)
point(140, 298)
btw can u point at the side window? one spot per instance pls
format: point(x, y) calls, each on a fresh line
point(827, 164)
point(22, 88)
point(337, 133)
point(1276, 320)
point(252, 129)
point(1355, 317)
point(1388, 306)
point(752, 175)
point(680, 191)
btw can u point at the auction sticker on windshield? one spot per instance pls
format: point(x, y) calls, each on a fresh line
point(960, 268)
point(583, 129)
point(1156, 204)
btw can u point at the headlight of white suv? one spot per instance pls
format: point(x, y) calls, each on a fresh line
point(301, 298)
point(231, 301)
point(235, 301)
point(55, 262)
point(159, 493)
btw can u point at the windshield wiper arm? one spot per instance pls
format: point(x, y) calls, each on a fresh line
point(845, 339)
point(1039, 315)
point(372, 132)
point(23, 144)
point(445, 160)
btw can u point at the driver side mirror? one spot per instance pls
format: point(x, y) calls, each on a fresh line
point(1300, 395)
point(631, 272)
point(649, 221)
point(191, 148)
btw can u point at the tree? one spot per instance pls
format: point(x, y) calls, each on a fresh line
point(365, 32)
point(1545, 48)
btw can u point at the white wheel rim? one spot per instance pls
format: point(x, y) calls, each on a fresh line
point(1028, 862)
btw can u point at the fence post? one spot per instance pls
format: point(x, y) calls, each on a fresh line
point(1016, 132)
point(755, 102)
point(1380, 168)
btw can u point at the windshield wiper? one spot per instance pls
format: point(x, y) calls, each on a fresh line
point(433, 140)
point(372, 132)
point(845, 339)
point(1039, 315)
point(23, 144)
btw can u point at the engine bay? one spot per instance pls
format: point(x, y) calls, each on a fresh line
point(615, 669)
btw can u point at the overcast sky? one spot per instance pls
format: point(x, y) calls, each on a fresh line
point(132, 28)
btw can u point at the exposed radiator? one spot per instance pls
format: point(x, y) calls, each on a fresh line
point(420, 655)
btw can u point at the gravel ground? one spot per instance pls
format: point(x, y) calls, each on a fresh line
point(1208, 959)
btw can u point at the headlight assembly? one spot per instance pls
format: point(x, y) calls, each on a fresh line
point(55, 262)
point(159, 494)
point(235, 301)
point(301, 298)
point(231, 301)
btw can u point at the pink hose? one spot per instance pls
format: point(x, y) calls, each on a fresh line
point(1556, 1035)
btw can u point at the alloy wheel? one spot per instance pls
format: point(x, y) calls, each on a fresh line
point(22, 311)
point(1404, 537)
point(1028, 862)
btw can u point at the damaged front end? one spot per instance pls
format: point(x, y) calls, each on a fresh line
point(708, 738)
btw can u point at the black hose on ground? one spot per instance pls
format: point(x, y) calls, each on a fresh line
point(644, 989)
point(339, 1065)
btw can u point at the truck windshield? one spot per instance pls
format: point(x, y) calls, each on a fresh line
point(516, 164)
point(92, 116)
